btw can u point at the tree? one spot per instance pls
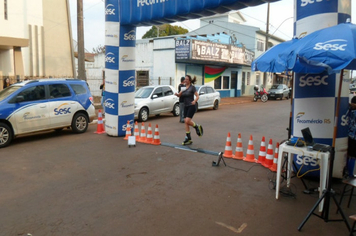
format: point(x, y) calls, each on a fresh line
point(99, 49)
point(164, 30)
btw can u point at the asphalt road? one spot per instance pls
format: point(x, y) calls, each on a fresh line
point(91, 184)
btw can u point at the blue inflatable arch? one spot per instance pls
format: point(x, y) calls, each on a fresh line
point(121, 19)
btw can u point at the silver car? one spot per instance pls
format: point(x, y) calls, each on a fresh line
point(208, 97)
point(279, 91)
point(154, 100)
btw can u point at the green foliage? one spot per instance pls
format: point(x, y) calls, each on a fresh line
point(164, 30)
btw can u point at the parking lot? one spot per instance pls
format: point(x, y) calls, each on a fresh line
point(91, 184)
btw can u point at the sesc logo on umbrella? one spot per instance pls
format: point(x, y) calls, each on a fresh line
point(331, 45)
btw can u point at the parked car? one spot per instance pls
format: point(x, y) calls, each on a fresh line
point(208, 97)
point(279, 91)
point(154, 100)
point(46, 104)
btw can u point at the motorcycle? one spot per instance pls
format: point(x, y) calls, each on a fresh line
point(260, 94)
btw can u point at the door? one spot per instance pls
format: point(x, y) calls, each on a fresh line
point(234, 82)
point(157, 101)
point(61, 105)
point(203, 97)
point(243, 84)
point(32, 113)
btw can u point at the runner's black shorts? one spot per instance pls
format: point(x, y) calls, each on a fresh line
point(189, 111)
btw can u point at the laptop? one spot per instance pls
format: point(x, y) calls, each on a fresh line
point(308, 138)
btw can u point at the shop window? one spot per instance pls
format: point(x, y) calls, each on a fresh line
point(248, 78)
point(226, 82)
point(217, 83)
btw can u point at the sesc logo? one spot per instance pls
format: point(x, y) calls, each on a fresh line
point(125, 125)
point(306, 2)
point(129, 82)
point(307, 161)
point(345, 119)
point(62, 111)
point(307, 80)
point(110, 57)
point(130, 35)
point(109, 9)
point(331, 45)
point(109, 103)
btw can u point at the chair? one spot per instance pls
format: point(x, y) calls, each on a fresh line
point(348, 182)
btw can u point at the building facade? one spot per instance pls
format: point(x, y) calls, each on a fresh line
point(35, 40)
point(219, 53)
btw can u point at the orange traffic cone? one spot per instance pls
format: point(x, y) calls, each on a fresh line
point(262, 153)
point(149, 134)
point(269, 158)
point(156, 139)
point(100, 127)
point(228, 148)
point(250, 154)
point(143, 133)
point(128, 130)
point(239, 155)
point(136, 132)
point(275, 160)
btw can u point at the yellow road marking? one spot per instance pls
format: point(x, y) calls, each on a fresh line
point(239, 230)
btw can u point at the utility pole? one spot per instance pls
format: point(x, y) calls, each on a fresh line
point(266, 46)
point(81, 52)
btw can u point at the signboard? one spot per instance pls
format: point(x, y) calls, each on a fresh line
point(211, 51)
point(183, 49)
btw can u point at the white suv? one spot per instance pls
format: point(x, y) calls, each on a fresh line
point(48, 104)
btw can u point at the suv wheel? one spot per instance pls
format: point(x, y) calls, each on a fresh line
point(80, 123)
point(143, 114)
point(5, 135)
point(176, 109)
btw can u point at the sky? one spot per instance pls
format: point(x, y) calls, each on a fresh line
point(280, 18)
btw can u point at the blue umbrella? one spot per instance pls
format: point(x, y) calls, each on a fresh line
point(269, 60)
point(332, 48)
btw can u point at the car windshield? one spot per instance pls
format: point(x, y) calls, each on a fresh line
point(8, 91)
point(275, 86)
point(143, 92)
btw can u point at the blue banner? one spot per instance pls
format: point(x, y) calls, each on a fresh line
point(111, 57)
point(111, 103)
point(307, 8)
point(313, 86)
point(112, 10)
point(127, 36)
point(127, 81)
point(148, 12)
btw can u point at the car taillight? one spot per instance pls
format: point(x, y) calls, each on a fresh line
point(92, 100)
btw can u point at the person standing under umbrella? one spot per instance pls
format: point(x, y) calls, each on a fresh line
point(189, 108)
